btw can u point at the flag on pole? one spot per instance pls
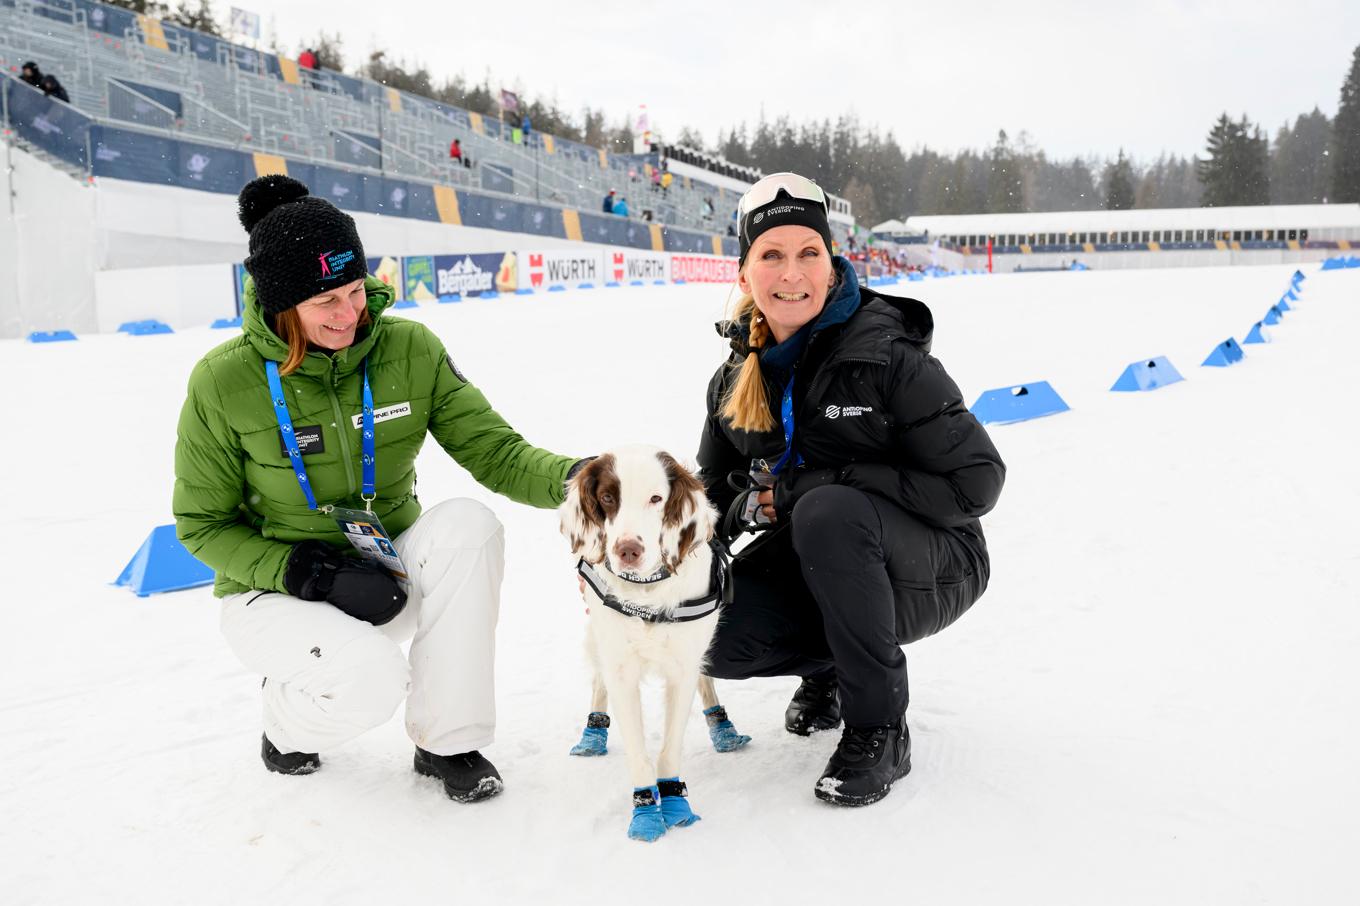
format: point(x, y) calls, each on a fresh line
point(245, 23)
point(509, 101)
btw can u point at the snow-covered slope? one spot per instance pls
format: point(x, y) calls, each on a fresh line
point(1148, 705)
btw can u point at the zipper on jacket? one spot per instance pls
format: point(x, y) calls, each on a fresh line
point(340, 428)
point(824, 374)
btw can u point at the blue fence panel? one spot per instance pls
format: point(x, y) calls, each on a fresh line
point(541, 221)
point(120, 154)
point(358, 148)
point(211, 169)
point(55, 127)
point(420, 202)
point(108, 19)
point(498, 178)
point(686, 241)
point(341, 188)
point(395, 198)
point(163, 96)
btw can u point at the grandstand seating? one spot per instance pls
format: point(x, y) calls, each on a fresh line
point(141, 82)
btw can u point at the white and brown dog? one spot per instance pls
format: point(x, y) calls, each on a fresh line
point(654, 579)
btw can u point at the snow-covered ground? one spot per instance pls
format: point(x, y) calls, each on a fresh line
point(1149, 705)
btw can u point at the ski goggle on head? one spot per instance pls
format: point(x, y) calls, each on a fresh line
point(765, 191)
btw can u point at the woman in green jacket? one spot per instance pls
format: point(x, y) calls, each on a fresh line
point(294, 480)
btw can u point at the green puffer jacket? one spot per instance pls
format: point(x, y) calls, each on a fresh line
point(238, 506)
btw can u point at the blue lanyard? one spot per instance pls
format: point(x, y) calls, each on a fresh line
point(786, 416)
point(370, 453)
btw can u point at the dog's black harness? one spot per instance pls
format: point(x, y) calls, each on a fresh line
point(719, 591)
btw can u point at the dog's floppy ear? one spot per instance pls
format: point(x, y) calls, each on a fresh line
point(688, 512)
point(582, 515)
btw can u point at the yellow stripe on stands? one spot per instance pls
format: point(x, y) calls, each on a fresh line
point(152, 33)
point(477, 125)
point(604, 159)
point(1154, 246)
point(657, 244)
point(647, 171)
point(1089, 248)
point(548, 144)
point(1237, 246)
point(688, 184)
point(1293, 245)
point(571, 222)
point(1220, 245)
point(1025, 250)
point(446, 203)
point(717, 245)
point(270, 164)
point(394, 100)
point(289, 69)
point(1344, 245)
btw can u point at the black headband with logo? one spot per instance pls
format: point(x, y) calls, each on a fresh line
point(784, 210)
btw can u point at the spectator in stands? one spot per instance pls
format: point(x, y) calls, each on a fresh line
point(31, 74)
point(53, 89)
point(666, 179)
point(456, 152)
point(656, 178)
point(621, 207)
point(307, 59)
point(300, 604)
point(869, 535)
point(708, 210)
point(608, 206)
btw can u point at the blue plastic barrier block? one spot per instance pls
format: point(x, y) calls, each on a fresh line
point(681, 282)
point(163, 564)
point(1148, 375)
point(612, 284)
point(1298, 277)
point(405, 303)
point(490, 294)
point(524, 291)
point(585, 286)
point(144, 328)
point(1019, 403)
point(226, 323)
point(1255, 335)
point(50, 336)
point(1283, 306)
point(1333, 264)
point(451, 297)
point(557, 288)
point(1225, 354)
point(1272, 316)
point(1353, 261)
point(636, 283)
point(916, 276)
point(658, 283)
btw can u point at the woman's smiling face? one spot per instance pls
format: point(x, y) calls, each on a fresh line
point(788, 272)
point(329, 319)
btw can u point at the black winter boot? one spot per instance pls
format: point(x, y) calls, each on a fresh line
point(292, 763)
point(815, 706)
point(467, 776)
point(865, 764)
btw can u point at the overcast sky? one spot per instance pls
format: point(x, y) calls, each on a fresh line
point(1079, 77)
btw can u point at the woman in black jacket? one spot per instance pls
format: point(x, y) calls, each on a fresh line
point(832, 428)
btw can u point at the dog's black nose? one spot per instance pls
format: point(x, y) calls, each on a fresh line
point(628, 551)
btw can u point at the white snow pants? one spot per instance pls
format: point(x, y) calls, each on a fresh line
point(330, 676)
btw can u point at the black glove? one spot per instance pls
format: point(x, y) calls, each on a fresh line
point(794, 483)
point(364, 589)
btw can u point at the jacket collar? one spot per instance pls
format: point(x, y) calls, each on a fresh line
point(255, 324)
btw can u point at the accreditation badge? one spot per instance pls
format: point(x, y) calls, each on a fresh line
point(366, 533)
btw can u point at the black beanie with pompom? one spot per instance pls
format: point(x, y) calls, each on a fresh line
point(300, 245)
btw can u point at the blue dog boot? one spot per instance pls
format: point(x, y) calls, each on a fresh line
point(675, 803)
point(648, 823)
point(725, 736)
point(595, 737)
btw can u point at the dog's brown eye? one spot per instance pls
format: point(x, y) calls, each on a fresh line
point(656, 498)
point(606, 498)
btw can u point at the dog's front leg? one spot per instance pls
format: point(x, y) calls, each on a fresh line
point(675, 808)
point(623, 679)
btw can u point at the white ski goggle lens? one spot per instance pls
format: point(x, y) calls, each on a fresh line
point(764, 192)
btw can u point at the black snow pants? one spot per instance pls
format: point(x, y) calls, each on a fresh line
point(838, 590)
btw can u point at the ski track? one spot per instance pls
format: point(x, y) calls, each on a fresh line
point(1148, 705)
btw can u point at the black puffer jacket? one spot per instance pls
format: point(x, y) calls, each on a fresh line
point(873, 410)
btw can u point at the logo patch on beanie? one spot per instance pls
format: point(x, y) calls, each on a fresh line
point(333, 264)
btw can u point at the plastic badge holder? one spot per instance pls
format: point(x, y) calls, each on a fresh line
point(366, 533)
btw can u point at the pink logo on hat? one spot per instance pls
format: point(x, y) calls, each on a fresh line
point(325, 266)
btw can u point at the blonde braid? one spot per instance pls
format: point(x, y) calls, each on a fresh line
point(745, 405)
